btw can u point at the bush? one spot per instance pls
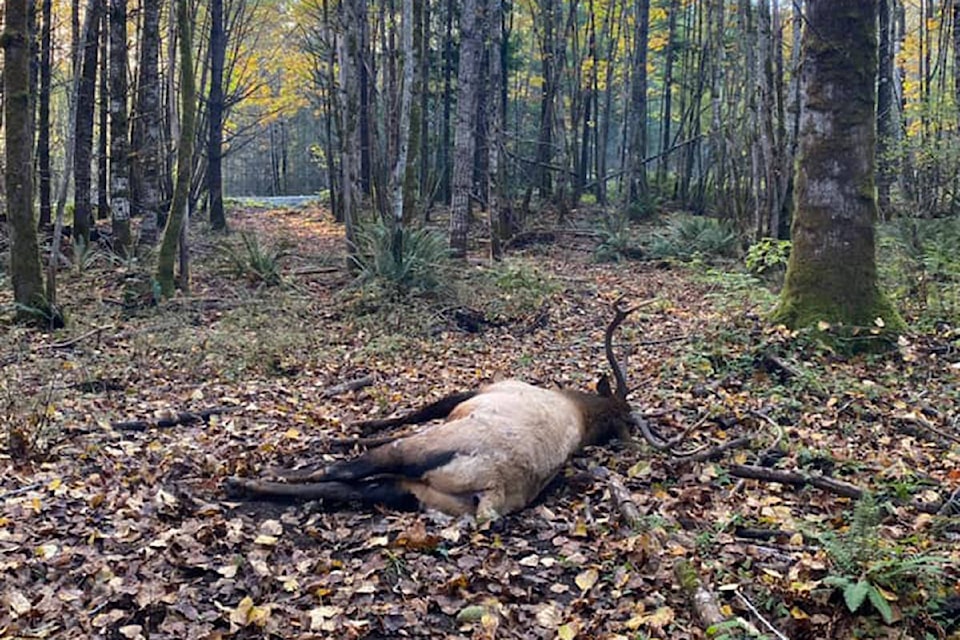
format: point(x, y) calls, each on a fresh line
point(696, 236)
point(404, 260)
point(615, 241)
point(255, 262)
point(768, 255)
point(865, 567)
point(920, 266)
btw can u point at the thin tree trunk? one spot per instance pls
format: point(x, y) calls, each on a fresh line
point(103, 107)
point(119, 145)
point(218, 51)
point(90, 48)
point(148, 125)
point(43, 138)
point(188, 110)
point(636, 171)
point(350, 61)
point(666, 112)
point(400, 167)
point(886, 107)
point(471, 41)
point(25, 269)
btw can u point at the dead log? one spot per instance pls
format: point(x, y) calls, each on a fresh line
point(622, 498)
point(172, 419)
point(702, 599)
point(826, 483)
point(350, 385)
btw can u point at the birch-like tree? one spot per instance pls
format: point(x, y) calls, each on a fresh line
point(119, 136)
point(468, 84)
point(148, 126)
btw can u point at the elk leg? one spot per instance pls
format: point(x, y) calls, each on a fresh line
point(388, 493)
point(433, 411)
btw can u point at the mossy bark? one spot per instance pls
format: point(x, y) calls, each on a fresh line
point(26, 272)
point(832, 272)
point(188, 108)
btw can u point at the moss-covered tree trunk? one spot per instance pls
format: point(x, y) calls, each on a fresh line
point(25, 271)
point(832, 273)
point(188, 120)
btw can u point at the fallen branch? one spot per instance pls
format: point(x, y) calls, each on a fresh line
point(76, 339)
point(797, 479)
point(182, 418)
point(350, 385)
point(920, 421)
point(309, 271)
point(759, 616)
point(622, 498)
point(714, 452)
point(20, 490)
point(826, 483)
point(704, 601)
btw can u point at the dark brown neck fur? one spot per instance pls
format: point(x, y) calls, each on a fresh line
point(603, 417)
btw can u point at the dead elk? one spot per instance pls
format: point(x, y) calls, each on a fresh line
point(496, 451)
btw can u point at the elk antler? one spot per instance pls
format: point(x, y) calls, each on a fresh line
point(620, 314)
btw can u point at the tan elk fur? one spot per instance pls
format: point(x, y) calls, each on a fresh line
point(508, 442)
point(497, 450)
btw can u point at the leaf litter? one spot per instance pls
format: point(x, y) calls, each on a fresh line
point(109, 533)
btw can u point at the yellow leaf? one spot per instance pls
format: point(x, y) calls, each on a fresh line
point(586, 579)
point(659, 618)
point(798, 614)
point(54, 484)
point(567, 632)
point(291, 434)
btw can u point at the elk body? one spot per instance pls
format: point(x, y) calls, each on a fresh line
point(496, 451)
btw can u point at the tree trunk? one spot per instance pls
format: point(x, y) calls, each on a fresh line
point(666, 113)
point(832, 273)
point(148, 125)
point(218, 52)
point(446, 165)
point(350, 61)
point(636, 169)
point(495, 202)
point(400, 166)
point(90, 48)
point(25, 269)
point(43, 136)
point(103, 107)
point(886, 107)
point(188, 114)
point(471, 43)
point(119, 146)
point(548, 47)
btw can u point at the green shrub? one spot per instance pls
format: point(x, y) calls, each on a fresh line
point(614, 239)
point(404, 260)
point(864, 566)
point(767, 255)
point(255, 262)
point(920, 266)
point(691, 236)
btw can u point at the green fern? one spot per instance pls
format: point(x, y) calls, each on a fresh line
point(405, 260)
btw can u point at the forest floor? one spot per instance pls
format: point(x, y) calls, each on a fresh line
point(124, 531)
